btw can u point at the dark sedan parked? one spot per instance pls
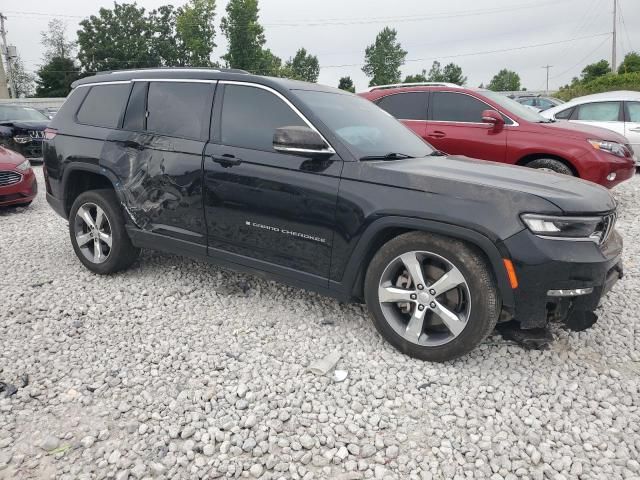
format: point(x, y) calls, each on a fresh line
point(22, 130)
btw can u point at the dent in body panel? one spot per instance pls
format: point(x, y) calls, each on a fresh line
point(159, 181)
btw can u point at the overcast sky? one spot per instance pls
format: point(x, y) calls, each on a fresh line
point(460, 31)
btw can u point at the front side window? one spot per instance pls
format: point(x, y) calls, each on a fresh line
point(406, 106)
point(634, 111)
point(103, 105)
point(251, 115)
point(364, 128)
point(564, 114)
point(178, 108)
point(456, 107)
point(599, 112)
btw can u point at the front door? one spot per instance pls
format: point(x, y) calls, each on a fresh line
point(265, 209)
point(455, 126)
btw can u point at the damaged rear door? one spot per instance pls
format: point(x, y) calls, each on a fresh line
point(158, 157)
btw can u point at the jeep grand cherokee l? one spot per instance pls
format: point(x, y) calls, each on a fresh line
point(490, 126)
point(321, 189)
point(22, 130)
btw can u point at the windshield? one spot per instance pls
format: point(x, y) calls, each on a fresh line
point(368, 130)
point(512, 106)
point(12, 112)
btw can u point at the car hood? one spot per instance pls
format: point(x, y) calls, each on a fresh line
point(582, 131)
point(483, 178)
point(9, 159)
point(25, 125)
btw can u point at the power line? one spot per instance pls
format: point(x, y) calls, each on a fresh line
point(585, 58)
point(625, 27)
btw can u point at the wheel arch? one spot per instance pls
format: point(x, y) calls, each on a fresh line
point(82, 178)
point(537, 156)
point(383, 230)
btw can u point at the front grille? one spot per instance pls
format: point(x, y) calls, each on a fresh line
point(36, 134)
point(608, 222)
point(9, 178)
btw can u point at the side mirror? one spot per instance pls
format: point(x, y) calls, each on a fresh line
point(302, 141)
point(492, 118)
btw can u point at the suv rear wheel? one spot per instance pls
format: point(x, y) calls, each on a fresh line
point(433, 298)
point(98, 236)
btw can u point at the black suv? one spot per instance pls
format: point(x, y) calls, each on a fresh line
point(323, 190)
point(22, 130)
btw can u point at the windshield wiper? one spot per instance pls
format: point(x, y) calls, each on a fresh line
point(437, 153)
point(548, 120)
point(388, 156)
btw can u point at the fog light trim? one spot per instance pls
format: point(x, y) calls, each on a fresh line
point(574, 292)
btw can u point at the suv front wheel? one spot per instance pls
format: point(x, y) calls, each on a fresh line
point(98, 236)
point(432, 297)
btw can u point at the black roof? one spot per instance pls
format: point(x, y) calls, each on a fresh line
point(202, 74)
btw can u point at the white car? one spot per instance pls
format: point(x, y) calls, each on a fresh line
point(618, 111)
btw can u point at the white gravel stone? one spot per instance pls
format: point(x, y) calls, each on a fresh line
point(166, 371)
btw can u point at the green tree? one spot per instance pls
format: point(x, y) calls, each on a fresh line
point(245, 37)
point(452, 73)
point(384, 58)
point(417, 78)
point(505, 81)
point(56, 76)
point(164, 41)
point(22, 80)
point(303, 66)
point(630, 64)
point(116, 39)
point(595, 70)
point(347, 84)
point(435, 73)
point(55, 42)
point(269, 64)
point(195, 31)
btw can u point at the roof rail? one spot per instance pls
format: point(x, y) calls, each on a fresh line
point(414, 84)
point(181, 69)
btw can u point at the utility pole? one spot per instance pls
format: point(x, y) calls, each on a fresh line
point(5, 51)
point(613, 44)
point(548, 67)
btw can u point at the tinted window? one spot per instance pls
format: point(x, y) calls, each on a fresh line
point(250, 117)
point(564, 114)
point(135, 116)
point(634, 111)
point(527, 101)
point(365, 129)
point(179, 109)
point(599, 111)
point(406, 106)
point(104, 104)
point(455, 107)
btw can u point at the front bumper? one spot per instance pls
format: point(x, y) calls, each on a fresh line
point(20, 193)
point(31, 150)
point(543, 265)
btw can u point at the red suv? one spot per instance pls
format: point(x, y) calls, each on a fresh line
point(490, 126)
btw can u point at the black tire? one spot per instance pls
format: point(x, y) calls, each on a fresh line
point(122, 252)
point(551, 164)
point(484, 300)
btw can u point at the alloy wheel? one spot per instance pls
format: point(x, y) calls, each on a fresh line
point(424, 298)
point(93, 233)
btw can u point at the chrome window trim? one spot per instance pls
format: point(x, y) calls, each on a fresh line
point(114, 82)
point(287, 102)
point(514, 124)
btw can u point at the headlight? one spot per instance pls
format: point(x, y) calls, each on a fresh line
point(617, 149)
point(21, 139)
point(24, 166)
point(569, 228)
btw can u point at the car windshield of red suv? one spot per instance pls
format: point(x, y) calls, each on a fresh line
point(10, 113)
point(514, 107)
point(371, 132)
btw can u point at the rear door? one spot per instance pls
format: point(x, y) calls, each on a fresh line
point(265, 209)
point(158, 157)
point(410, 108)
point(632, 125)
point(600, 114)
point(455, 126)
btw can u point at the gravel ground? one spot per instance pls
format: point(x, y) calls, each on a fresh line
point(177, 369)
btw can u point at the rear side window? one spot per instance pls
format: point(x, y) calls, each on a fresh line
point(250, 117)
point(406, 106)
point(633, 109)
point(456, 107)
point(599, 112)
point(104, 105)
point(179, 108)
